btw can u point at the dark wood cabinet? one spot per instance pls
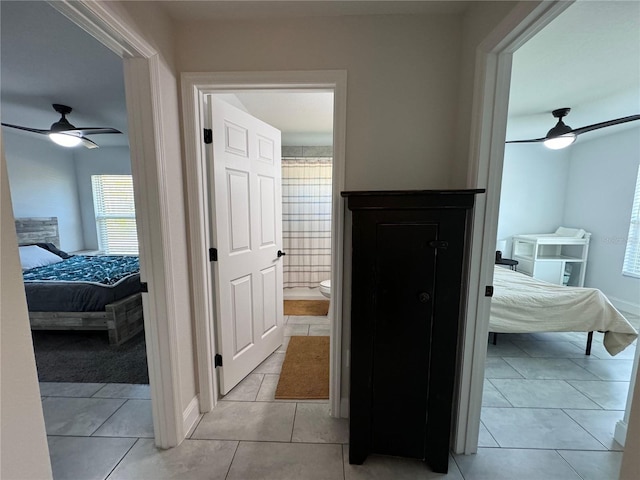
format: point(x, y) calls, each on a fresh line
point(408, 257)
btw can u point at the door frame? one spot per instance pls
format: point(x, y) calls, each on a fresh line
point(488, 134)
point(142, 76)
point(195, 86)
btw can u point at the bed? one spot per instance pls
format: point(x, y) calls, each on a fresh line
point(522, 304)
point(78, 292)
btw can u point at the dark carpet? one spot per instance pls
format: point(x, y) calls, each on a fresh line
point(87, 357)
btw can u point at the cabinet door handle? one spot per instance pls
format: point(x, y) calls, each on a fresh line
point(281, 253)
point(424, 297)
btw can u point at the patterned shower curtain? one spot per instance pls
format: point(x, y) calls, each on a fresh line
point(306, 220)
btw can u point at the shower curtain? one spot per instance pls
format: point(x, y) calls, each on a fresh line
point(306, 220)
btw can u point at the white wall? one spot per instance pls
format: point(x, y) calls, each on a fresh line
point(23, 443)
point(43, 184)
point(532, 200)
point(402, 86)
point(105, 161)
point(478, 22)
point(600, 189)
point(150, 22)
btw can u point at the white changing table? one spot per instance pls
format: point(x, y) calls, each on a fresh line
point(559, 258)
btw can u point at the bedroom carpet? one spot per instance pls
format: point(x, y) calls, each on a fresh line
point(87, 357)
point(305, 371)
point(311, 308)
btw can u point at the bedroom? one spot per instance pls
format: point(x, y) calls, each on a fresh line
point(589, 185)
point(48, 180)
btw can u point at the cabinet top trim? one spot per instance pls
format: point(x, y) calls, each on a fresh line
point(411, 199)
point(364, 193)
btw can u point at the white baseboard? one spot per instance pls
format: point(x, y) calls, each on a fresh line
point(191, 415)
point(625, 306)
point(344, 407)
point(620, 433)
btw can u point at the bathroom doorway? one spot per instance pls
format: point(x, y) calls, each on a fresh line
point(305, 120)
point(197, 87)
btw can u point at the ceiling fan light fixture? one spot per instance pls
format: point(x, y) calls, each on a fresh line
point(65, 139)
point(562, 141)
point(61, 125)
point(64, 133)
point(562, 135)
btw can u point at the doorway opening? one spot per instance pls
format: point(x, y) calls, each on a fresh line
point(489, 175)
point(304, 185)
point(548, 374)
point(87, 325)
point(196, 87)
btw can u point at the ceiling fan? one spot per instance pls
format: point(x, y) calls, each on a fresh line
point(563, 135)
point(65, 134)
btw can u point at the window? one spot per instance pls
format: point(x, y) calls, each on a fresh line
point(115, 214)
point(631, 265)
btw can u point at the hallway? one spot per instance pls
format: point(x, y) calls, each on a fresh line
point(104, 431)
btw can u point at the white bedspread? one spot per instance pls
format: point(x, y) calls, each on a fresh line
point(523, 304)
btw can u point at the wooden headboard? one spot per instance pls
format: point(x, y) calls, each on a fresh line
point(37, 229)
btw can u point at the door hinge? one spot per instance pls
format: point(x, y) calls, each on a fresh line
point(438, 244)
point(488, 291)
point(144, 287)
point(213, 254)
point(208, 136)
point(217, 360)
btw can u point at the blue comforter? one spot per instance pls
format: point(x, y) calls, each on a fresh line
point(105, 270)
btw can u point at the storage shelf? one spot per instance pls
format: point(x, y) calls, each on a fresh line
point(552, 258)
point(552, 239)
point(560, 257)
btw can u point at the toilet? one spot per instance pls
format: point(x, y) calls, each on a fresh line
point(325, 288)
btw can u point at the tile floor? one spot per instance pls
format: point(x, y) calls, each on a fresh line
point(548, 413)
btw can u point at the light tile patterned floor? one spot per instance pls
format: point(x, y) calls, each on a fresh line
point(548, 413)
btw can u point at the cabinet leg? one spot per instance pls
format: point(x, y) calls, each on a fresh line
point(356, 458)
point(439, 465)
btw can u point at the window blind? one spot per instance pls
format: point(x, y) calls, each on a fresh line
point(631, 265)
point(115, 214)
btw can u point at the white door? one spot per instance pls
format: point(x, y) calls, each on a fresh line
point(247, 213)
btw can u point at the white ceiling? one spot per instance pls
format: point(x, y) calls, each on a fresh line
point(304, 118)
point(46, 59)
point(242, 9)
point(587, 59)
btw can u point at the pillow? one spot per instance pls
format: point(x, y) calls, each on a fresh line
point(33, 256)
point(53, 249)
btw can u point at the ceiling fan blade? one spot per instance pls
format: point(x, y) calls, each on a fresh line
point(532, 140)
point(609, 123)
point(94, 131)
point(89, 143)
point(33, 130)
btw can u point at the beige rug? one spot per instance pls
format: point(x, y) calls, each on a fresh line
point(314, 308)
point(305, 371)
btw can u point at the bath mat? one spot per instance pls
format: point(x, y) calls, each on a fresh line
point(312, 308)
point(305, 371)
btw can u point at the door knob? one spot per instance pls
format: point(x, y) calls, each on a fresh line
point(424, 297)
point(281, 253)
